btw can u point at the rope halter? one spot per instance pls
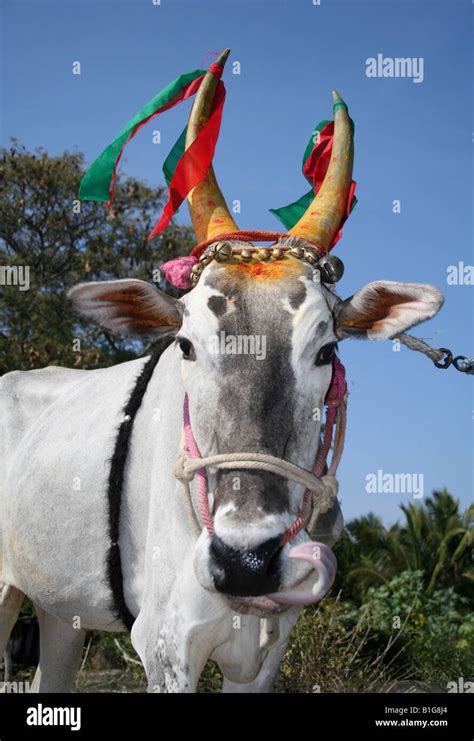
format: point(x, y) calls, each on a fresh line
point(320, 490)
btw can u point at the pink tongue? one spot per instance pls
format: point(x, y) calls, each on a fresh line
point(324, 561)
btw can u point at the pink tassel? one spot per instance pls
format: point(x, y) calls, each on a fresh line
point(338, 386)
point(178, 271)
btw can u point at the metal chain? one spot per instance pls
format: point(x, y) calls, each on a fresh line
point(441, 357)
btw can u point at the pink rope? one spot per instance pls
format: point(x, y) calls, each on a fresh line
point(334, 398)
point(323, 453)
point(300, 521)
point(193, 450)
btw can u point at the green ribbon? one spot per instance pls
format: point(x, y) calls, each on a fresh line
point(96, 183)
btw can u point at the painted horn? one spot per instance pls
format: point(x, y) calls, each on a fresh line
point(207, 206)
point(323, 216)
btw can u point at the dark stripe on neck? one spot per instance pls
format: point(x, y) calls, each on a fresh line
point(116, 481)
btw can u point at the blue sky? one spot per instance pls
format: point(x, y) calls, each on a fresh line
point(413, 143)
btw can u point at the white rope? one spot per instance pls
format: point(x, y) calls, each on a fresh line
point(324, 489)
point(415, 343)
point(185, 480)
point(256, 461)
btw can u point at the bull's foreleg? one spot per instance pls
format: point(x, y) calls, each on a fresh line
point(175, 641)
point(60, 653)
point(10, 603)
point(173, 653)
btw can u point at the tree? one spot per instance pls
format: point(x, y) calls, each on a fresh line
point(435, 539)
point(63, 242)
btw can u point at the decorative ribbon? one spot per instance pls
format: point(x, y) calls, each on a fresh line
point(193, 164)
point(183, 169)
point(316, 159)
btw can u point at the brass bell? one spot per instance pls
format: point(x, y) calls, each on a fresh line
point(196, 270)
point(297, 252)
point(223, 252)
point(331, 268)
point(278, 253)
point(205, 258)
point(194, 277)
point(310, 256)
point(263, 253)
point(246, 255)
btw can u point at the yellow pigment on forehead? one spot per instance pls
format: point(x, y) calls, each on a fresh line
point(284, 269)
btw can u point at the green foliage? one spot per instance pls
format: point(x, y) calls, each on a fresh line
point(435, 629)
point(41, 227)
point(418, 572)
point(400, 632)
point(405, 600)
point(330, 652)
point(435, 539)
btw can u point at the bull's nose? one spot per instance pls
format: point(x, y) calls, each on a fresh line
point(245, 573)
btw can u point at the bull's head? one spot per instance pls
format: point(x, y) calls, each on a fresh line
point(256, 336)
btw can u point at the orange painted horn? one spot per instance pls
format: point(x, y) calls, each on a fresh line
point(207, 206)
point(323, 217)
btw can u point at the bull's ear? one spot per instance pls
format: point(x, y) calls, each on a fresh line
point(384, 308)
point(128, 307)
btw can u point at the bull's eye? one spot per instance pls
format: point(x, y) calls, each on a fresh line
point(326, 353)
point(186, 348)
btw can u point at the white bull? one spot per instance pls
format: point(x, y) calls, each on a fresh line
point(96, 547)
point(59, 429)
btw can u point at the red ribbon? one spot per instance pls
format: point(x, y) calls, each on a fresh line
point(184, 94)
point(194, 165)
point(316, 166)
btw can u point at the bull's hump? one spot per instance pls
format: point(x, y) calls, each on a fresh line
point(26, 395)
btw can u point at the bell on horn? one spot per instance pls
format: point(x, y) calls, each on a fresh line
point(324, 215)
point(207, 206)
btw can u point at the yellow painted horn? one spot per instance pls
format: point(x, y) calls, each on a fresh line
point(207, 206)
point(323, 217)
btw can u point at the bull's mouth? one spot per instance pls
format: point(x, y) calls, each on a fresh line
point(309, 590)
point(260, 606)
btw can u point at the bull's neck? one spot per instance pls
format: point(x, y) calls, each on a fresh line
point(149, 500)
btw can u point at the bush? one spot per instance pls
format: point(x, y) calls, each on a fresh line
point(329, 652)
point(437, 634)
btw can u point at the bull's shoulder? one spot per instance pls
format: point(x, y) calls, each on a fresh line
point(34, 390)
point(48, 375)
point(26, 395)
point(37, 386)
point(24, 398)
point(34, 399)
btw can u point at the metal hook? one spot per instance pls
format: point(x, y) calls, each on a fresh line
point(464, 364)
point(446, 362)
